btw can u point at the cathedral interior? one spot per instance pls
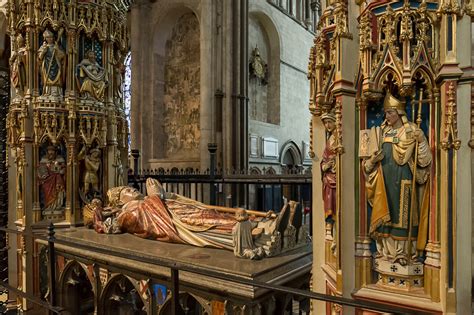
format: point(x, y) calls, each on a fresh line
point(236, 157)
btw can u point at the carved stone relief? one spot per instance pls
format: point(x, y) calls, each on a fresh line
point(182, 89)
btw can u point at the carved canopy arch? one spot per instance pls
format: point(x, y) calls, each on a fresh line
point(120, 284)
point(76, 267)
point(387, 74)
point(50, 127)
point(426, 75)
point(90, 33)
point(53, 25)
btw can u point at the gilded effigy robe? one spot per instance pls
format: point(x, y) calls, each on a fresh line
point(389, 186)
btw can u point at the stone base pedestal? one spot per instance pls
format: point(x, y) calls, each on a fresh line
point(394, 275)
point(212, 293)
point(53, 216)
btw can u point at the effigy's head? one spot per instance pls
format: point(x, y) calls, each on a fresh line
point(118, 196)
point(153, 187)
point(241, 215)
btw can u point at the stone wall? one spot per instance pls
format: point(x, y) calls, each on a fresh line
point(290, 44)
point(277, 107)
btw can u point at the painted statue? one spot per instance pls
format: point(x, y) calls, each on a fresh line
point(18, 67)
point(328, 173)
point(52, 63)
point(51, 173)
point(118, 169)
point(119, 72)
point(92, 163)
point(173, 218)
point(389, 184)
point(91, 78)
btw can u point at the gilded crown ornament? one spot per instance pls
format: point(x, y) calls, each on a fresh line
point(390, 102)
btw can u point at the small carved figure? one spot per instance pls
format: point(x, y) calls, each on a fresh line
point(91, 78)
point(51, 178)
point(118, 169)
point(328, 172)
point(18, 67)
point(52, 60)
point(92, 164)
point(389, 184)
point(119, 72)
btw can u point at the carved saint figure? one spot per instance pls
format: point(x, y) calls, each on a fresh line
point(119, 72)
point(389, 183)
point(118, 169)
point(91, 78)
point(52, 60)
point(173, 218)
point(328, 172)
point(18, 67)
point(51, 178)
point(92, 164)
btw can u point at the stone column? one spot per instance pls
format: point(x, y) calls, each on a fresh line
point(317, 208)
point(230, 30)
point(344, 92)
point(137, 96)
point(464, 179)
point(208, 42)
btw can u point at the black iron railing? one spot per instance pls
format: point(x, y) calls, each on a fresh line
point(234, 189)
point(175, 269)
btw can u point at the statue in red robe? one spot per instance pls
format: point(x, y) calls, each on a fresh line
point(328, 173)
point(51, 172)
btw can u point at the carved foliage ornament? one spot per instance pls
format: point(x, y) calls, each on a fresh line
point(340, 14)
point(365, 31)
point(449, 7)
point(338, 110)
point(451, 139)
point(93, 128)
point(49, 126)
